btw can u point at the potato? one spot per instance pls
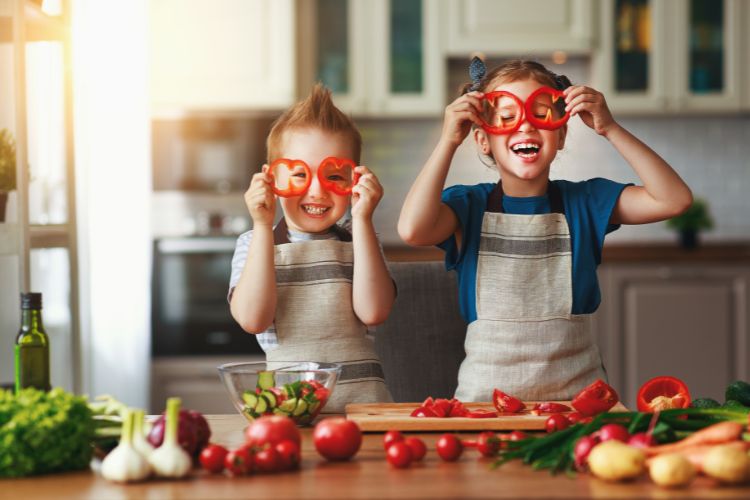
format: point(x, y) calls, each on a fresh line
point(615, 461)
point(671, 470)
point(728, 463)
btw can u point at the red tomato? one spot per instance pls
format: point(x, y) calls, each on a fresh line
point(391, 437)
point(289, 453)
point(517, 436)
point(613, 431)
point(556, 422)
point(212, 458)
point(418, 448)
point(488, 444)
point(663, 393)
point(575, 417)
point(268, 460)
point(505, 403)
point(240, 461)
point(337, 438)
point(449, 447)
point(272, 429)
point(399, 455)
point(596, 398)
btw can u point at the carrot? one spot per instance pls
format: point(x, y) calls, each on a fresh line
point(723, 432)
point(697, 453)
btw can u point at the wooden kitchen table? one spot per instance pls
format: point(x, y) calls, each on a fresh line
point(367, 476)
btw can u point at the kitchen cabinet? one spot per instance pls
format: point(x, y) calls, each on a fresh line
point(512, 28)
point(672, 56)
point(688, 319)
point(379, 57)
point(38, 250)
point(222, 55)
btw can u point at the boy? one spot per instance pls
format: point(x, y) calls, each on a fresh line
point(310, 287)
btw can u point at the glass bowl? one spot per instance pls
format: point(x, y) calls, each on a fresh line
point(296, 389)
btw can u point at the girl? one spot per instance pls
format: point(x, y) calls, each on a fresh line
point(526, 249)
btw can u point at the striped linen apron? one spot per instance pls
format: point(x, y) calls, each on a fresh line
point(315, 318)
point(525, 341)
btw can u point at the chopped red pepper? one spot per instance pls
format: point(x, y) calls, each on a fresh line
point(663, 393)
point(423, 411)
point(596, 398)
point(551, 407)
point(505, 403)
point(480, 413)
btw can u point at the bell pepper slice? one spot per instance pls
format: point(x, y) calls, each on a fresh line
point(423, 411)
point(441, 407)
point(505, 403)
point(285, 181)
point(480, 413)
point(596, 398)
point(540, 108)
point(457, 409)
point(337, 175)
point(497, 105)
point(549, 407)
point(663, 393)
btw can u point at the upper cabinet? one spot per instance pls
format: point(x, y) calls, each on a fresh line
point(510, 27)
point(671, 55)
point(379, 57)
point(222, 55)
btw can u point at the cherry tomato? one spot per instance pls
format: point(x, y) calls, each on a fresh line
point(488, 444)
point(289, 453)
point(505, 403)
point(641, 440)
point(391, 437)
point(272, 429)
point(212, 458)
point(556, 422)
point(613, 431)
point(418, 448)
point(399, 455)
point(449, 447)
point(240, 461)
point(517, 436)
point(268, 460)
point(337, 438)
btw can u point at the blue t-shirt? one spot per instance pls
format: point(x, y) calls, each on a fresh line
point(588, 207)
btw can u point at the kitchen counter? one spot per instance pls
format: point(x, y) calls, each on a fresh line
point(367, 476)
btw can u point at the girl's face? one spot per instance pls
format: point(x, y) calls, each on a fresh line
point(317, 209)
point(527, 153)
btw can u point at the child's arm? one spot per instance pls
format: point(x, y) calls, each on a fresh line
point(424, 219)
point(253, 303)
point(663, 194)
point(373, 291)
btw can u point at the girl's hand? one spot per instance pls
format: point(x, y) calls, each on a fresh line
point(366, 194)
point(459, 115)
point(260, 200)
point(591, 107)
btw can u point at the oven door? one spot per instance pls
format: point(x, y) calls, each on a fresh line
point(190, 313)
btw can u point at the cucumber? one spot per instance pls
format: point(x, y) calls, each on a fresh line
point(704, 403)
point(293, 389)
point(279, 411)
point(288, 405)
point(262, 405)
point(249, 413)
point(250, 399)
point(738, 391)
point(266, 380)
point(301, 408)
point(270, 397)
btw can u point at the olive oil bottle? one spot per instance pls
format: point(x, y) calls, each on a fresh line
point(32, 346)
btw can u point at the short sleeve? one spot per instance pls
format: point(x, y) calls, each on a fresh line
point(238, 261)
point(468, 203)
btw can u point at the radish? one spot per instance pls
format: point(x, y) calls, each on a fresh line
point(614, 431)
point(641, 440)
point(582, 449)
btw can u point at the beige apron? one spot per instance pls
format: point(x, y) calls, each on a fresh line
point(315, 318)
point(525, 341)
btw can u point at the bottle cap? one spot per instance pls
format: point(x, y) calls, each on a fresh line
point(31, 300)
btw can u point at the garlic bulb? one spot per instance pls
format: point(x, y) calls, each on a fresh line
point(169, 459)
point(140, 442)
point(124, 464)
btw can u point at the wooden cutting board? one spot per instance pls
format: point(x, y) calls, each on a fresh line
point(380, 417)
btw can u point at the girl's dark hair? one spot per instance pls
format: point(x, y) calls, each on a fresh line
point(521, 69)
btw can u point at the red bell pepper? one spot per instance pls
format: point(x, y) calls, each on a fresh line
point(663, 393)
point(480, 413)
point(596, 398)
point(505, 403)
point(423, 412)
point(547, 122)
point(337, 175)
point(296, 188)
point(550, 408)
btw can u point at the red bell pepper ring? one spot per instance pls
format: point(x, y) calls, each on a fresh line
point(285, 169)
point(663, 393)
point(537, 103)
point(480, 413)
point(594, 399)
point(548, 407)
point(508, 111)
point(337, 175)
point(505, 403)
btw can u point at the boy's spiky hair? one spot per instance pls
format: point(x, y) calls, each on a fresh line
point(316, 111)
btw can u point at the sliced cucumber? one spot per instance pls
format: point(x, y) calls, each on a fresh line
point(250, 413)
point(293, 389)
point(262, 405)
point(288, 405)
point(301, 408)
point(266, 380)
point(250, 399)
point(270, 397)
point(279, 411)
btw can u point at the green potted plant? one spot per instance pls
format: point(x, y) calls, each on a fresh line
point(695, 219)
point(7, 168)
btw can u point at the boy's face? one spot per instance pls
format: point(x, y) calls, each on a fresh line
point(317, 209)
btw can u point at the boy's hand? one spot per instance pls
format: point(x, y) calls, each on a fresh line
point(260, 200)
point(366, 194)
point(591, 107)
point(459, 115)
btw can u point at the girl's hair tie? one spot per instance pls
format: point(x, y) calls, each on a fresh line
point(477, 70)
point(562, 82)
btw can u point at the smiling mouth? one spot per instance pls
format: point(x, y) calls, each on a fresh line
point(525, 149)
point(313, 210)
